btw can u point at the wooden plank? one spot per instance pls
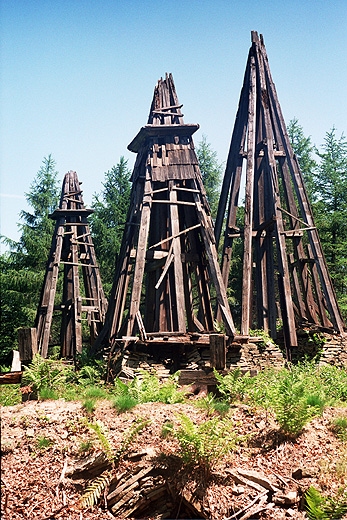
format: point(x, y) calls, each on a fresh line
point(140, 255)
point(233, 170)
point(27, 343)
point(304, 204)
point(10, 378)
point(218, 351)
point(178, 270)
point(211, 251)
point(289, 329)
point(249, 202)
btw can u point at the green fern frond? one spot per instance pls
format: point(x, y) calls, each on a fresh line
point(320, 508)
point(95, 490)
point(129, 436)
point(99, 428)
point(335, 508)
point(314, 501)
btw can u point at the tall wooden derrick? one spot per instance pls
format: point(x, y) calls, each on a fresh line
point(285, 277)
point(168, 259)
point(72, 258)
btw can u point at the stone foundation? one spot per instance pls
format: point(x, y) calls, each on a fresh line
point(249, 357)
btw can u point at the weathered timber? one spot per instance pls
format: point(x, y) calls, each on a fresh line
point(10, 378)
point(285, 277)
point(218, 351)
point(168, 256)
point(72, 247)
point(27, 344)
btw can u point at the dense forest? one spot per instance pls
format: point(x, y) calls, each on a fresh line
point(23, 264)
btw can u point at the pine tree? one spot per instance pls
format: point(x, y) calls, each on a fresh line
point(22, 268)
point(330, 210)
point(211, 171)
point(37, 228)
point(304, 150)
point(109, 218)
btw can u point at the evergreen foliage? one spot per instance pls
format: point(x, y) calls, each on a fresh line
point(304, 151)
point(211, 171)
point(22, 268)
point(109, 218)
point(330, 210)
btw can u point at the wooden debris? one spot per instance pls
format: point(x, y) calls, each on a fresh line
point(10, 378)
point(258, 478)
point(89, 466)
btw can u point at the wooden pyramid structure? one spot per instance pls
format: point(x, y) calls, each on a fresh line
point(72, 258)
point(168, 259)
point(285, 277)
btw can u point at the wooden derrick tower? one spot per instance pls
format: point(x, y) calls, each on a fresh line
point(168, 258)
point(72, 258)
point(285, 277)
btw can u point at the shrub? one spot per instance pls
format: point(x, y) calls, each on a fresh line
point(10, 395)
point(89, 406)
point(46, 394)
point(334, 380)
point(298, 398)
point(144, 389)
point(124, 402)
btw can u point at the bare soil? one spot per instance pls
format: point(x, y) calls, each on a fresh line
point(36, 483)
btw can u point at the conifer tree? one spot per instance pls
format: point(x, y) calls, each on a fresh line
point(211, 171)
point(304, 150)
point(109, 218)
point(23, 267)
point(330, 210)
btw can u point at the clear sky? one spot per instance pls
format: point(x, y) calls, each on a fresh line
point(77, 77)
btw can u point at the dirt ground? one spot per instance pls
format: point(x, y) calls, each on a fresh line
point(40, 441)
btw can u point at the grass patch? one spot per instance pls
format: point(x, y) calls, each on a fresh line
point(124, 402)
point(339, 428)
point(10, 395)
point(89, 406)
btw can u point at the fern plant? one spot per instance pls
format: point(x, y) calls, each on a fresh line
point(46, 374)
point(234, 385)
point(205, 444)
point(96, 489)
point(319, 507)
point(98, 485)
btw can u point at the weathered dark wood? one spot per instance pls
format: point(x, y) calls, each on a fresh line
point(10, 378)
point(72, 250)
point(27, 343)
point(247, 251)
point(218, 351)
point(168, 255)
point(278, 221)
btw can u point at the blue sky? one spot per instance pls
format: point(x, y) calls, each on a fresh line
point(77, 77)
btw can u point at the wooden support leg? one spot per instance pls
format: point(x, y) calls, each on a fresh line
point(218, 351)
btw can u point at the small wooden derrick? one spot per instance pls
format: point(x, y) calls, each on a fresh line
point(168, 258)
point(72, 256)
point(285, 275)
